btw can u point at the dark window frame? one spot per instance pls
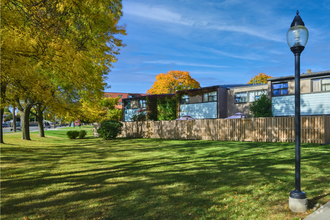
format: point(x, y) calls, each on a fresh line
point(128, 105)
point(143, 103)
point(241, 97)
point(184, 99)
point(281, 89)
point(263, 90)
point(210, 96)
point(325, 85)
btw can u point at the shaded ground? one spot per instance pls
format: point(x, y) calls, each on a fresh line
point(49, 178)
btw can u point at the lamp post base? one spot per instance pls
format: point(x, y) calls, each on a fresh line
point(298, 205)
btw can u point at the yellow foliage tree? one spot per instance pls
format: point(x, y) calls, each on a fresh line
point(64, 46)
point(261, 78)
point(100, 110)
point(172, 81)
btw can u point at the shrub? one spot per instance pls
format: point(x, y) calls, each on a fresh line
point(110, 129)
point(72, 134)
point(82, 134)
point(262, 107)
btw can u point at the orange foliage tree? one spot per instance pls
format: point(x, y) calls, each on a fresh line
point(261, 78)
point(172, 81)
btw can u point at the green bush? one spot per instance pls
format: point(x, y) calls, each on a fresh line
point(262, 107)
point(72, 134)
point(109, 129)
point(82, 134)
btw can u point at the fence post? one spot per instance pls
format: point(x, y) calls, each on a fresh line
point(252, 125)
point(241, 130)
point(323, 129)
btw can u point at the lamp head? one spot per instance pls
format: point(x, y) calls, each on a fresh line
point(297, 35)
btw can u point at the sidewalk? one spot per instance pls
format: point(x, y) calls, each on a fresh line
point(323, 213)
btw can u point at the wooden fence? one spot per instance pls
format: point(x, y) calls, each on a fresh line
point(314, 129)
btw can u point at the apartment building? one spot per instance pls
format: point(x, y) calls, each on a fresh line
point(122, 96)
point(222, 101)
point(314, 90)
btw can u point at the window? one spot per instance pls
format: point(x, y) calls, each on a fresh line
point(120, 103)
point(326, 84)
point(280, 88)
point(120, 96)
point(129, 96)
point(107, 95)
point(143, 104)
point(128, 105)
point(241, 97)
point(185, 99)
point(255, 95)
point(319, 85)
point(210, 97)
point(316, 85)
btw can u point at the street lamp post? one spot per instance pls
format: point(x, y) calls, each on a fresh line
point(297, 37)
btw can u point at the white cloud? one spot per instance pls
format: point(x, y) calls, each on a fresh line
point(184, 64)
point(243, 56)
point(157, 13)
point(154, 13)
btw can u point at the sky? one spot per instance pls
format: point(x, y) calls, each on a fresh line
point(217, 41)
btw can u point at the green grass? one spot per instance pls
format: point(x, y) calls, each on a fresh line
point(83, 127)
point(61, 132)
point(58, 178)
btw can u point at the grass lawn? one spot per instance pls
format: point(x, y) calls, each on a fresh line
point(59, 178)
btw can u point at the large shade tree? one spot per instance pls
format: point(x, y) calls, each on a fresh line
point(58, 47)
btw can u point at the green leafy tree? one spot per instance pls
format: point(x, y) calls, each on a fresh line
point(166, 108)
point(140, 116)
point(262, 107)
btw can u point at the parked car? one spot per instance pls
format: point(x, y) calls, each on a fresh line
point(4, 125)
point(17, 129)
point(47, 125)
point(185, 117)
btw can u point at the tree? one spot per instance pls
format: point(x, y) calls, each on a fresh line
point(100, 110)
point(261, 78)
point(262, 107)
point(173, 81)
point(63, 45)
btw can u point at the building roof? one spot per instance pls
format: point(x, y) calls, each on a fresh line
point(227, 86)
point(144, 96)
point(127, 93)
point(306, 75)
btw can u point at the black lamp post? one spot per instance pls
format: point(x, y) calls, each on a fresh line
point(297, 37)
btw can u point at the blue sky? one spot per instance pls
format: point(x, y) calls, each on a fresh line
point(217, 42)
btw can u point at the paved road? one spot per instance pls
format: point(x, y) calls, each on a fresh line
point(323, 213)
point(32, 128)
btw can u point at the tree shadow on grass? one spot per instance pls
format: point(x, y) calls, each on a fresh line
point(139, 179)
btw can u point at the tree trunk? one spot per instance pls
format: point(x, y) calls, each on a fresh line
point(25, 122)
point(40, 123)
point(14, 119)
point(1, 131)
point(54, 122)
